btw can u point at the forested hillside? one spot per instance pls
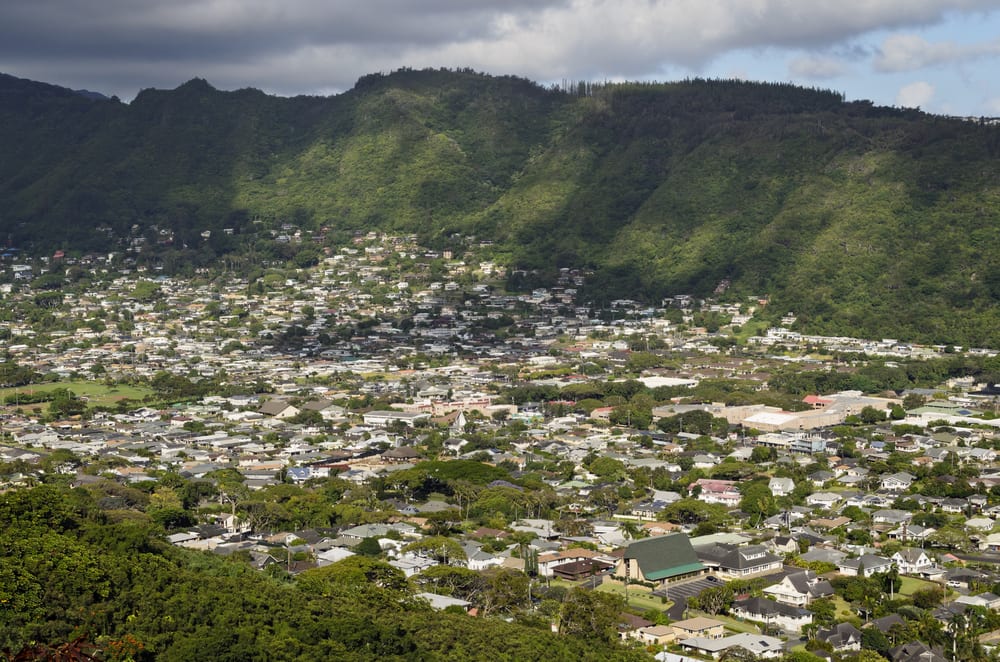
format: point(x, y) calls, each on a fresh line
point(74, 572)
point(862, 220)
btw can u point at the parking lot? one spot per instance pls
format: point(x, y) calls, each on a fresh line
point(686, 589)
point(679, 593)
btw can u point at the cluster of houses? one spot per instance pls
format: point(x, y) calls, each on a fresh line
point(387, 321)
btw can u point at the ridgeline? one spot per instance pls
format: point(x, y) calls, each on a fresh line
point(863, 220)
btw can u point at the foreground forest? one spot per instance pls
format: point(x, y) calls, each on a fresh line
point(862, 220)
point(76, 576)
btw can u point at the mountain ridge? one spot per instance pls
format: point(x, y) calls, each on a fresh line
point(863, 220)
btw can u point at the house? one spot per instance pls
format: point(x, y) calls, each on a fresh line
point(911, 532)
point(660, 559)
point(799, 589)
point(787, 617)
point(830, 523)
point(278, 409)
point(781, 486)
point(326, 409)
point(439, 602)
point(842, 636)
point(783, 545)
point(825, 500)
point(964, 578)
point(717, 491)
point(578, 570)
point(866, 565)
point(476, 558)
point(734, 561)
point(953, 505)
point(629, 624)
point(980, 524)
point(412, 564)
point(549, 561)
point(819, 478)
point(700, 626)
point(758, 645)
point(655, 635)
point(915, 652)
point(823, 555)
point(912, 561)
point(887, 623)
point(332, 555)
point(984, 600)
point(990, 543)
point(385, 418)
point(897, 482)
point(891, 516)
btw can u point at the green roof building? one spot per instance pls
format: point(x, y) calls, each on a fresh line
point(660, 560)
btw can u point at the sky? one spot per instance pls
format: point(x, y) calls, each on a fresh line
point(932, 54)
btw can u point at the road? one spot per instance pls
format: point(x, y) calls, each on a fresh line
point(978, 557)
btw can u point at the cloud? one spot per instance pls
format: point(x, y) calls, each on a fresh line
point(301, 46)
point(815, 67)
point(915, 95)
point(909, 52)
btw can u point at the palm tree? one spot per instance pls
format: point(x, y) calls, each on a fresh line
point(631, 530)
point(931, 630)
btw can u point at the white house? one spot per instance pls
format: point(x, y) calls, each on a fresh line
point(897, 482)
point(867, 565)
point(781, 486)
point(799, 589)
point(767, 611)
point(911, 561)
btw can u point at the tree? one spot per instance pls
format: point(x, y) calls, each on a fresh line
point(873, 639)
point(693, 511)
point(758, 501)
point(890, 580)
point(167, 510)
point(716, 599)
point(870, 415)
point(353, 571)
point(606, 467)
point(441, 549)
point(591, 615)
point(869, 656)
point(504, 591)
point(928, 597)
point(738, 654)
point(65, 403)
point(824, 612)
point(368, 547)
point(452, 580)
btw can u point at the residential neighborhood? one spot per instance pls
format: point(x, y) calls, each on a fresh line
point(399, 403)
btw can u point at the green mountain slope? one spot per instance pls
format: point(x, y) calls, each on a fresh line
point(862, 220)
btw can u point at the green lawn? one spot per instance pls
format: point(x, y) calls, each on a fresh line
point(731, 623)
point(97, 393)
point(843, 609)
point(638, 598)
point(911, 584)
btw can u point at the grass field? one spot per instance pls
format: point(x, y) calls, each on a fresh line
point(911, 584)
point(96, 393)
point(637, 597)
point(843, 609)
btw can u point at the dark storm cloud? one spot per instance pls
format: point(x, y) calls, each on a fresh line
point(309, 46)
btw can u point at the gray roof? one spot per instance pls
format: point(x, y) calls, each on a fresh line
point(733, 557)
